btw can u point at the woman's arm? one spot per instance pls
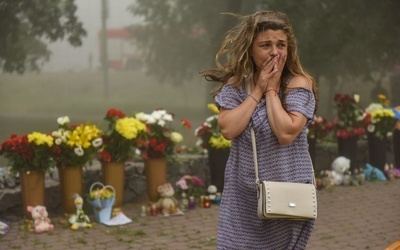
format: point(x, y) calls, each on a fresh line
point(233, 122)
point(286, 126)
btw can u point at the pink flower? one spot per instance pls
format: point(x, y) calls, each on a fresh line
point(182, 184)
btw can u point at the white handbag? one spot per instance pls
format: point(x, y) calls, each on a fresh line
point(284, 200)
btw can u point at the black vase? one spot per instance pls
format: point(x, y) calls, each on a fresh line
point(217, 161)
point(377, 151)
point(348, 147)
point(312, 149)
point(396, 147)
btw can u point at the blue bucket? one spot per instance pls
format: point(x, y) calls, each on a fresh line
point(103, 214)
point(102, 209)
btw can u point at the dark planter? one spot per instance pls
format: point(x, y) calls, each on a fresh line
point(377, 152)
point(217, 161)
point(312, 150)
point(348, 148)
point(396, 147)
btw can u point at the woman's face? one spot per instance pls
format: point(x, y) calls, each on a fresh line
point(269, 43)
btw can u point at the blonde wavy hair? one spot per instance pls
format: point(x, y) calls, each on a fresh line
point(233, 59)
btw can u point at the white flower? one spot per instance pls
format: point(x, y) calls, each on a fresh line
point(371, 128)
point(176, 137)
point(372, 107)
point(140, 116)
point(138, 152)
point(211, 118)
point(199, 142)
point(157, 114)
point(167, 117)
point(79, 151)
point(97, 142)
point(58, 141)
point(63, 120)
point(161, 123)
point(64, 138)
point(356, 98)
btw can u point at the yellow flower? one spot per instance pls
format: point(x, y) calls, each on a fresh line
point(213, 108)
point(82, 136)
point(176, 137)
point(104, 193)
point(40, 139)
point(219, 142)
point(129, 127)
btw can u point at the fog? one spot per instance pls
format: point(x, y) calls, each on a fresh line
point(67, 58)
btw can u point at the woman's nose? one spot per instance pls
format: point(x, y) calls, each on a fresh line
point(274, 51)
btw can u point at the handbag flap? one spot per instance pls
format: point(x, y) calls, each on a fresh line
point(292, 199)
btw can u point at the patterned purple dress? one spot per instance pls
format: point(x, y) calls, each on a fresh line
point(239, 226)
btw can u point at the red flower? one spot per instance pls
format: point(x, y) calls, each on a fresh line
point(342, 133)
point(105, 156)
point(115, 113)
point(186, 123)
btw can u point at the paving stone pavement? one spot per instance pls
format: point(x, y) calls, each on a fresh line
point(364, 217)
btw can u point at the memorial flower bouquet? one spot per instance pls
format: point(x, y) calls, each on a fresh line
point(380, 118)
point(208, 132)
point(350, 118)
point(160, 138)
point(191, 185)
point(319, 128)
point(28, 152)
point(120, 139)
point(75, 145)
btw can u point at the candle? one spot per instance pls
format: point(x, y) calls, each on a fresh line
point(192, 202)
point(143, 211)
point(207, 202)
point(153, 210)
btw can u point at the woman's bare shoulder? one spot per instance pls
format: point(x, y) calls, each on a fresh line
point(299, 82)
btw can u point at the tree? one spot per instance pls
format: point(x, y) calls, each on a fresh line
point(25, 25)
point(343, 40)
point(337, 39)
point(179, 38)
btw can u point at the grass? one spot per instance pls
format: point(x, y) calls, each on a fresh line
point(33, 102)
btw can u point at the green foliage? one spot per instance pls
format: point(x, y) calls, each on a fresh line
point(26, 24)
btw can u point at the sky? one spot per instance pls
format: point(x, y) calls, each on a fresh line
point(67, 58)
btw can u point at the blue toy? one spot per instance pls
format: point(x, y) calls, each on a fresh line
point(373, 173)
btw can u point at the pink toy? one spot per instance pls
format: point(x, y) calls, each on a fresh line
point(41, 222)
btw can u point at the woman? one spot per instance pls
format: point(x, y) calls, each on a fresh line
point(261, 53)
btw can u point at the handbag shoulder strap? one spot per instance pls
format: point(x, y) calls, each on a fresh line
point(253, 143)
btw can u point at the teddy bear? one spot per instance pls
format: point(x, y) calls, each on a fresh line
point(79, 219)
point(41, 222)
point(327, 180)
point(340, 166)
point(167, 204)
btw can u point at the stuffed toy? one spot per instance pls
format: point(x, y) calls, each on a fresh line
point(4, 228)
point(327, 180)
point(340, 166)
point(372, 173)
point(391, 172)
point(79, 219)
point(212, 191)
point(167, 204)
point(41, 222)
